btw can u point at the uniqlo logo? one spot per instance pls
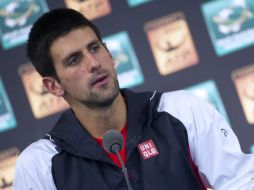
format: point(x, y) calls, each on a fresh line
point(147, 149)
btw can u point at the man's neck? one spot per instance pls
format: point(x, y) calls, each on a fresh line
point(98, 121)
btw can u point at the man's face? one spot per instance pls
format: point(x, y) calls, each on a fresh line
point(85, 69)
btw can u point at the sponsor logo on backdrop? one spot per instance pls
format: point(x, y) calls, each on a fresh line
point(16, 19)
point(208, 91)
point(7, 118)
point(127, 66)
point(171, 43)
point(8, 159)
point(91, 9)
point(230, 24)
point(244, 82)
point(252, 149)
point(134, 3)
point(41, 101)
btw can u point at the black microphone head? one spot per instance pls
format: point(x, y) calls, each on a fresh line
point(112, 141)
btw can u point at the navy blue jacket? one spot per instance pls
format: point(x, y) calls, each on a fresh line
point(82, 164)
point(184, 130)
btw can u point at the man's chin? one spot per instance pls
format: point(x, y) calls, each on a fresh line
point(103, 99)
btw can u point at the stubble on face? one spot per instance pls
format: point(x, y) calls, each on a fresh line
point(105, 95)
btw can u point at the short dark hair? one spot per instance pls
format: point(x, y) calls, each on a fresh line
point(46, 29)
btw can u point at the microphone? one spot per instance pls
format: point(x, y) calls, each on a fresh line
point(112, 142)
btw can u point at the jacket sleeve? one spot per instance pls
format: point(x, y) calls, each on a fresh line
point(218, 153)
point(214, 147)
point(33, 167)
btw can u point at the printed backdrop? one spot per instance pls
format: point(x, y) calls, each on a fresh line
point(204, 47)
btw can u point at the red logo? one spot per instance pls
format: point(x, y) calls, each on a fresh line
point(147, 149)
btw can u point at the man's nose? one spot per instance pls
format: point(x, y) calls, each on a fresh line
point(93, 64)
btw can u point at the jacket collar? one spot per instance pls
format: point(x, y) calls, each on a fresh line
point(71, 137)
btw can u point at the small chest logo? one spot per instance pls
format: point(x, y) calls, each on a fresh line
point(147, 149)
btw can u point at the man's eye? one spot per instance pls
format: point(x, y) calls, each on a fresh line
point(94, 48)
point(75, 60)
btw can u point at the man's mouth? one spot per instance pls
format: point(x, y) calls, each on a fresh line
point(100, 80)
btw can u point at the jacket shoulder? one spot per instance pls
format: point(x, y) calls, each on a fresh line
point(33, 167)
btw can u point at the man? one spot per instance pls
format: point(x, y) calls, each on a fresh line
point(171, 140)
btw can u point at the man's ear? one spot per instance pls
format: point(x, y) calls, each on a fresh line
point(53, 86)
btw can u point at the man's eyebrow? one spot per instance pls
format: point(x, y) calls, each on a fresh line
point(77, 52)
point(93, 42)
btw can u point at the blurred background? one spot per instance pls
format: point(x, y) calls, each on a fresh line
point(204, 47)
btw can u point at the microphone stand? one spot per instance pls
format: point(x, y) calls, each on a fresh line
point(124, 169)
point(112, 143)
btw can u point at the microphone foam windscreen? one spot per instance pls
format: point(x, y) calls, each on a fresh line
point(111, 139)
